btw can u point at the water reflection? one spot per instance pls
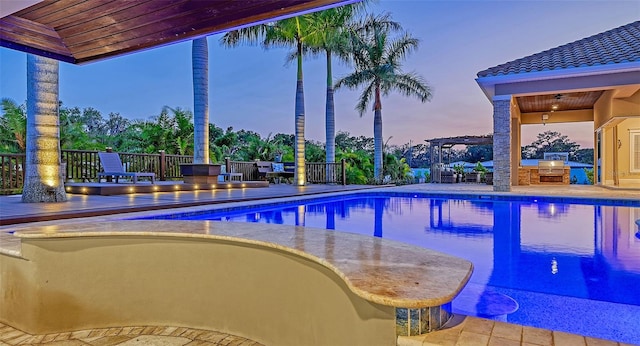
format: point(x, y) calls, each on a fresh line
point(575, 250)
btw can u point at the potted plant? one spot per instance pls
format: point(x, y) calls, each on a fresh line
point(459, 171)
point(481, 170)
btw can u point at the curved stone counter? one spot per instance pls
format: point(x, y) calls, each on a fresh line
point(255, 280)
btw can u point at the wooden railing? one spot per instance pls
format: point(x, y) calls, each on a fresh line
point(317, 172)
point(12, 173)
point(84, 165)
point(249, 170)
point(326, 173)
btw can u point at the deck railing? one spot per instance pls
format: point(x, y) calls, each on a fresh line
point(326, 173)
point(84, 165)
point(317, 172)
point(12, 173)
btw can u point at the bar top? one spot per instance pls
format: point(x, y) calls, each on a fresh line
point(379, 270)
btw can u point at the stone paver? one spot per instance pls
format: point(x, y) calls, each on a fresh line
point(478, 331)
point(127, 336)
point(537, 336)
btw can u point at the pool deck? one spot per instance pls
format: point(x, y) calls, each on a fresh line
point(471, 331)
point(13, 211)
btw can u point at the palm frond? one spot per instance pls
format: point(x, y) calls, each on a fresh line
point(355, 79)
point(411, 84)
point(365, 98)
point(250, 35)
point(401, 47)
point(381, 22)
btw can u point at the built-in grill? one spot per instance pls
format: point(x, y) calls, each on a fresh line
point(551, 170)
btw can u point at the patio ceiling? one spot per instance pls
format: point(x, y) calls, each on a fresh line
point(558, 102)
point(80, 31)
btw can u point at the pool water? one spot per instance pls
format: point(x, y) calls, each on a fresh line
point(559, 266)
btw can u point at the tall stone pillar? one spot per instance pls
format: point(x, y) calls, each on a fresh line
point(502, 143)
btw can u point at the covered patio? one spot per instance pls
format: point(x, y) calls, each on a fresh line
point(595, 79)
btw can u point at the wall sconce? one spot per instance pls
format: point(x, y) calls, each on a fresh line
point(545, 117)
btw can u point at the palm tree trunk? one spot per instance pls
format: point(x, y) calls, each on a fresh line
point(330, 144)
point(300, 173)
point(377, 138)
point(43, 181)
point(200, 61)
point(330, 116)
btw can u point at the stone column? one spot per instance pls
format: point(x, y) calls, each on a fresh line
point(502, 143)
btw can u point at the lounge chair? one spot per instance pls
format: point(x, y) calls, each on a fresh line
point(224, 176)
point(274, 171)
point(113, 168)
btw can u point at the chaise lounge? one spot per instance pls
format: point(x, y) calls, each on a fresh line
point(275, 171)
point(112, 166)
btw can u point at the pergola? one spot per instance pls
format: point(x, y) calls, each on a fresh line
point(438, 144)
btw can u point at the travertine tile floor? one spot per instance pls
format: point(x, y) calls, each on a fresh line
point(474, 331)
point(470, 331)
point(125, 336)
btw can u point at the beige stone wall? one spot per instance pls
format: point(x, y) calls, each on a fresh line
point(267, 295)
point(529, 175)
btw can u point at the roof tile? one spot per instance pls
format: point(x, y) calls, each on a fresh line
point(618, 45)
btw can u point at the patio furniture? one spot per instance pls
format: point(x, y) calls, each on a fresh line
point(488, 178)
point(112, 166)
point(447, 177)
point(231, 176)
point(273, 170)
point(472, 177)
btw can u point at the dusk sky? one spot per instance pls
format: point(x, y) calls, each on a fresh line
point(253, 89)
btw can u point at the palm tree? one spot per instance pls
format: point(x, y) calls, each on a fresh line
point(43, 181)
point(200, 65)
point(13, 126)
point(378, 68)
point(290, 32)
point(330, 34)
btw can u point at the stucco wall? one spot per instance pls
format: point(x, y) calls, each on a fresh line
point(629, 106)
point(619, 116)
point(602, 109)
point(607, 168)
point(264, 294)
point(516, 141)
point(626, 176)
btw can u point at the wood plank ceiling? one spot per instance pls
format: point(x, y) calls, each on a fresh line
point(80, 31)
point(558, 102)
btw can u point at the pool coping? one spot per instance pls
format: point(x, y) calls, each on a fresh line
point(382, 271)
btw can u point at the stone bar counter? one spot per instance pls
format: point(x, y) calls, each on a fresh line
point(276, 284)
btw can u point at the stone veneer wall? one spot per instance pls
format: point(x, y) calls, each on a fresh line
point(502, 143)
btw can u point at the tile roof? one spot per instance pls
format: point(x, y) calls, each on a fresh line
point(615, 46)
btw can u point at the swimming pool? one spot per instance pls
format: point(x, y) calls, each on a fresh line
point(572, 266)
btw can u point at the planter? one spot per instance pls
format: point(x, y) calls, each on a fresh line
point(488, 178)
point(200, 173)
